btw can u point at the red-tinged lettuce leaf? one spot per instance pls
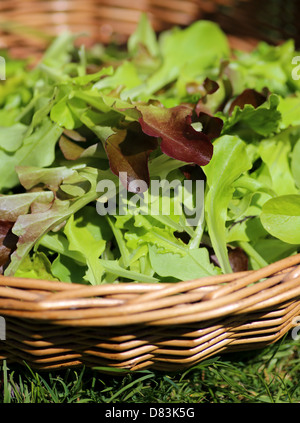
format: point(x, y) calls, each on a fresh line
point(208, 86)
point(29, 228)
point(248, 96)
point(45, 178)
point(74, 135)
point(254, 120)
point(70, 149)
point(128, 152)
point(8, 242)
point(179, 138)
point(238, 259)
point(35, 216)
point(12, 206)
point(193, 172)
point(211, 126)
point(205, 90)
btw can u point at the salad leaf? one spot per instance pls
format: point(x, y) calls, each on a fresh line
point(144, 35)
point(29, 228)
point(230, 160)
point(248, 96)
point(267, 66)
point(68, 269)
point(51, 178)
point(82, 241)
point(11, 137)
point(195, 264)
point(128, 152)
point(275, 154)
point(203, 37)
point(7, 243)
point(70, 149)
point(281, 217)
point(37, 149)
point(251, 121)
point(36, 267)
point(125, 77)
point(179, 139)
point(289, 109)
point(295, 160)
point(87, 128)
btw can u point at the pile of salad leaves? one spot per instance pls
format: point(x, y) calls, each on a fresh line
point(180, 105)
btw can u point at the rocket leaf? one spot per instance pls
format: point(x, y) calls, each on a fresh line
point(229, 162)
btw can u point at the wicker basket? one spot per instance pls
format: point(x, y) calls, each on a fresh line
point(103, 20)
point(26, 27)
point(136, 326)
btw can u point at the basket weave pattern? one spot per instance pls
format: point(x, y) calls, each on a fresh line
point(27, 27)
point(137, 326)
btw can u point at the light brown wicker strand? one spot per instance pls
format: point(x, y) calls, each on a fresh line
point(141, 307)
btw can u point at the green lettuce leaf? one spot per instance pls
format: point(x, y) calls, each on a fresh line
point(38, 149)
point(281, 218)
point(193, 265)
point(229, 162)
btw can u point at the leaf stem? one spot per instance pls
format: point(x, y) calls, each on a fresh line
point(250, 251)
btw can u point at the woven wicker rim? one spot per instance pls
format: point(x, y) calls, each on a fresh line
point(167, 327)
point(160, 304)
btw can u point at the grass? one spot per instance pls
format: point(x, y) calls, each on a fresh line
point(270, 375)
